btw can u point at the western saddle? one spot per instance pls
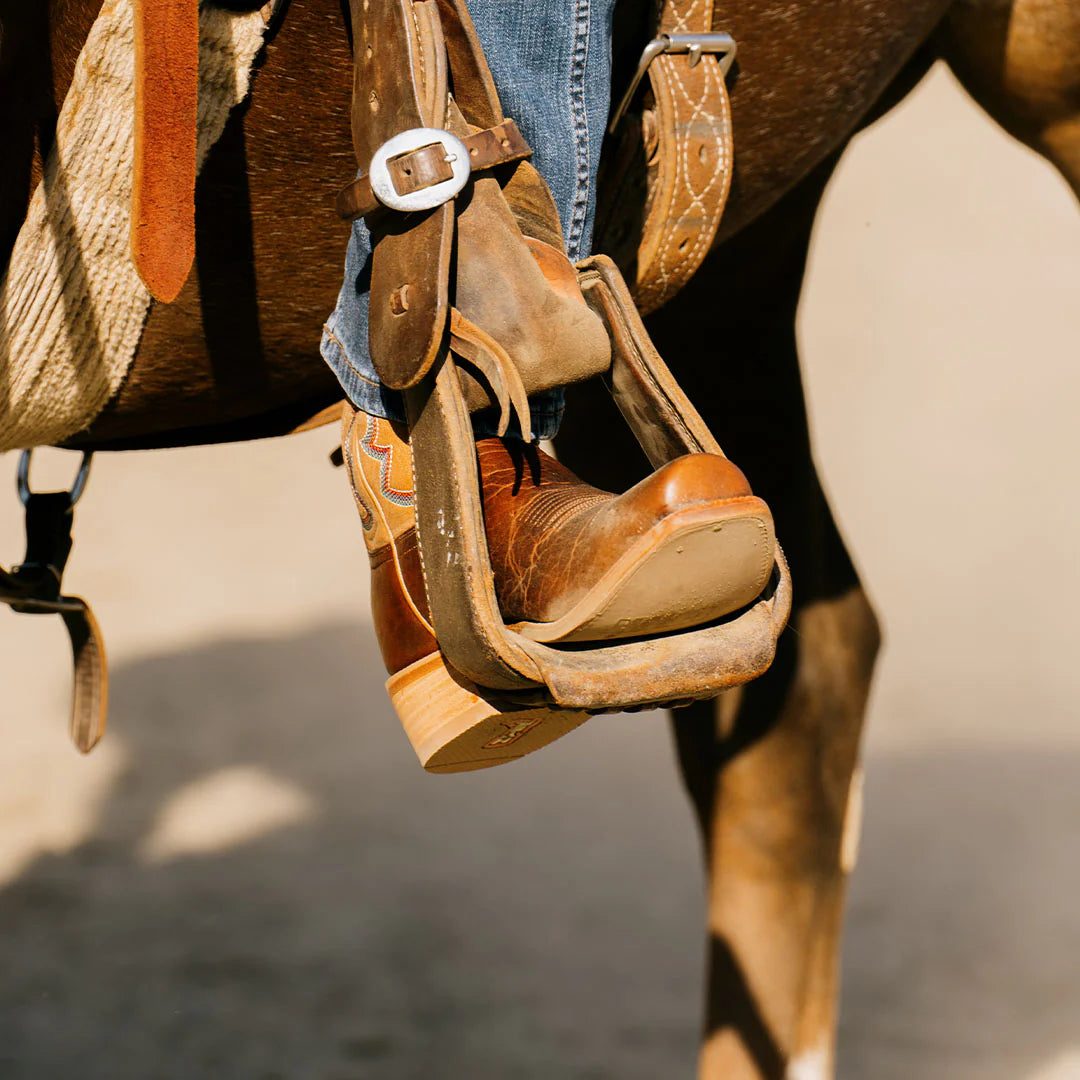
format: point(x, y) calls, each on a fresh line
point(440, 131)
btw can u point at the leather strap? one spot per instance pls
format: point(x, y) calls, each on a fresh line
point(34, 588)
point(166, 129)
point(90, 682)
point(90, 685)
point(499, 145)
point(676, 158)
point(479, 348)
point(401, 82)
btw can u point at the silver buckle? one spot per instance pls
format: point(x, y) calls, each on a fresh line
point(694, 45)
point(457, 157)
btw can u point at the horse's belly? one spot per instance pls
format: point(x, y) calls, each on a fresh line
point(807, 74)
point(242, 341)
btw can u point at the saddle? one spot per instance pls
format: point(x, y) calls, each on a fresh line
point(449, 195)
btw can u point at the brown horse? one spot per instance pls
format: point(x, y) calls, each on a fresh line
point(770, 769)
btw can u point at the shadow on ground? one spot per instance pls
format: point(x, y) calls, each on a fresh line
point(347, 916)
point(541, 920)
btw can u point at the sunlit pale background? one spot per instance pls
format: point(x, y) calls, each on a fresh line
point(252, 879)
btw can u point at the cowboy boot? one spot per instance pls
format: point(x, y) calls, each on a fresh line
point(688, 545)
point(453, 725)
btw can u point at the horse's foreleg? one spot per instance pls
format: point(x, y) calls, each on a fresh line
point(1020, 59)
point(770, 768)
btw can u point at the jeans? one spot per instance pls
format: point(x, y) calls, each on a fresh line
point(551, 61)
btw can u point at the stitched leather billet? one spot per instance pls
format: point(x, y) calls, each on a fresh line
point(670, 167)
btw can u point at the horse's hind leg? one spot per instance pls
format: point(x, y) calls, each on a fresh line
point(771, 769)
point(1020, 59)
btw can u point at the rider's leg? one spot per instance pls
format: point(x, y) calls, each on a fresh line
point(1020, 59)
point(551, 62)
point(771, 768)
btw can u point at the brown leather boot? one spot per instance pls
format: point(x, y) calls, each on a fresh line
point(685, 546)
point(453, 725)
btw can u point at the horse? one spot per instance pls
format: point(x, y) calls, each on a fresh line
point(770, 769)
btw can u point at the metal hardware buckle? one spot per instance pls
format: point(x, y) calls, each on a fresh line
point(22, 478)
point(457, 157)
point(694, 45)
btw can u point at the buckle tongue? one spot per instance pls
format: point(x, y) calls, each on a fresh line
point(693, 45)
point(426, 198)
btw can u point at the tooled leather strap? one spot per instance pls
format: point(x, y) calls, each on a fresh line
point(688, 150)
point(166, 130)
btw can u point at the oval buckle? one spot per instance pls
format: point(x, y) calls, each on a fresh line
point(457, 157)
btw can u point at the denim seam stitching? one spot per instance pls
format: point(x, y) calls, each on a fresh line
point(581, 126)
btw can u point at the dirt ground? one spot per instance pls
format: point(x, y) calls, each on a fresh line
point(252, 879)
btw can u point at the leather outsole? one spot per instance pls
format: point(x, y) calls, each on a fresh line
point(694, 566)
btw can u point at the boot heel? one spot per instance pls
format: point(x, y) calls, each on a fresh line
point(454, 729)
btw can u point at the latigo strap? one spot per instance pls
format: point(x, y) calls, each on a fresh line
point(672, 155)
point(166, 128)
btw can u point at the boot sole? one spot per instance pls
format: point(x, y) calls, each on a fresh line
point(695, 566)
point(453, 728)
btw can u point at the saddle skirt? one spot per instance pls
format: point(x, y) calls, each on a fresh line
point(72, 303)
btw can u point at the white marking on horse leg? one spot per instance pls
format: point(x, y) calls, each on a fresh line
point(813, 1065)
point(853, 816)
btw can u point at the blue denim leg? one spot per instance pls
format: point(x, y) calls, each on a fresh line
point(551, 61)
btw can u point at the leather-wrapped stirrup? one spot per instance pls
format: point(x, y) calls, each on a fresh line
point(422, 91)
point(681, 666)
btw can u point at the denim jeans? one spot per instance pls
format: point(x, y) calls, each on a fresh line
point(551, 61)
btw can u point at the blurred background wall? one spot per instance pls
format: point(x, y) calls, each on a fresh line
point(252, 878)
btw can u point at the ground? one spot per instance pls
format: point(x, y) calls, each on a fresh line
point(252, 879)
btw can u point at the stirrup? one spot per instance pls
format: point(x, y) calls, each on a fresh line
point(667, 669)
point(439, 354)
